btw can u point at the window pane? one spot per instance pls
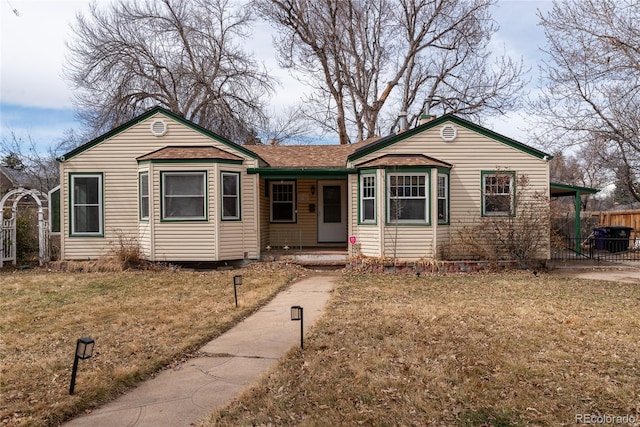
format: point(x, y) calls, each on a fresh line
point(85, 190)
point(144, 195)
point(282, 211)
point(183, 207)
point(368, 210)
point(184, 185)
point(331, 203)
point(87, 219)
point(230, 185)
point(229, 207)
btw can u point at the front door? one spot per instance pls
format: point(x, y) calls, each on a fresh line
point(332, 212)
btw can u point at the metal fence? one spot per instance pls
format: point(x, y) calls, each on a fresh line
point(596, 248)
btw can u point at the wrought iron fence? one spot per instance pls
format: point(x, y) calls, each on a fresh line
point(596, 248)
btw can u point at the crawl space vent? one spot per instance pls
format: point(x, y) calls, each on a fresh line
point(448, 133)
point(158, 127)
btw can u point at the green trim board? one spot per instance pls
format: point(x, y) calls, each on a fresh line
point(561, 190)
point(144, 116)
point(368, 173)
point(292, 173)
point(392, 139)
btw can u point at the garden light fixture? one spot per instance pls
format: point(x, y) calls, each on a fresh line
point(237, 281)
point(84, 350)
point(297, 313)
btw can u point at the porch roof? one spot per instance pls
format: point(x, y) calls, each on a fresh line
point(189, 153)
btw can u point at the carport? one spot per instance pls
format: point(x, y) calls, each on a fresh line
point(564, 190)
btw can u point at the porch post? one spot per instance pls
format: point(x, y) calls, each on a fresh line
point(578, 222)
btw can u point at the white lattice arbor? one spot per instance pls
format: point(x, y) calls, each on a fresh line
point(8, 226)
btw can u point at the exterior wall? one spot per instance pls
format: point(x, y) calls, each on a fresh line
point(115, 158)
point(470, 154)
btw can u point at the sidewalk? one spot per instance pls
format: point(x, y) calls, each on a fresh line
point(184, 395)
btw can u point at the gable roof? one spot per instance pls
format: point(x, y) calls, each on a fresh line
point(189, 153)
point(392, 139)
point(305, 156)
point(144, 116)
point(15, 177)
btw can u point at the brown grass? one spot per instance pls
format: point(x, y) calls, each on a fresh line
point(474, 350)
point(141, 321)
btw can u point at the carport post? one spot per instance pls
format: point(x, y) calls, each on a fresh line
point(578, 225)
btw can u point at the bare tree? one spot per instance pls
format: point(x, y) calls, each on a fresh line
point(356, 55)
point(591, 82)
point(184, 55)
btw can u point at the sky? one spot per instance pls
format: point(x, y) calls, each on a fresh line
point(35, 99)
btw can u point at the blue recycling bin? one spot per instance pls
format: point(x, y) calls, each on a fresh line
point(600, 236)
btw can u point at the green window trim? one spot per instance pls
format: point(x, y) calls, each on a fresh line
point(90, 225)
point(230, 196)
point(411, 186)
point(498, 190)
point(367, 195)
point(172, 201)
point(144, 208)
point(443, 198)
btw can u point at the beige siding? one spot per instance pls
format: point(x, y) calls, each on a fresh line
point(470, 154)
point(239, 239)
point(115, 157)
point(264, 216)
point(304, 232)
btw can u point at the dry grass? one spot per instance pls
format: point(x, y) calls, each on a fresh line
point(141, 321)
point(474, 350)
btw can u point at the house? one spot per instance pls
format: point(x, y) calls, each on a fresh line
point(186, 194)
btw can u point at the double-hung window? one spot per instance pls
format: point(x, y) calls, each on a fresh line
point(368, 198)
point(498, 193)
point(184, 195)
point(86, 204)
point(143, 191)
point(407, 198)
point(283, 201)
point(443, 198)
point(230, 195)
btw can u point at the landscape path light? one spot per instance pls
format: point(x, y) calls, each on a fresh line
point(84, 350)
point(297, 313)
point(237, 281)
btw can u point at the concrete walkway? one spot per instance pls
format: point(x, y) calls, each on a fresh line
point(184, 395)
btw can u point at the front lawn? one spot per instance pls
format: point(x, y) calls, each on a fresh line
point(141, 321)
point(468, 350)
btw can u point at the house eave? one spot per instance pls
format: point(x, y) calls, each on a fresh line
point(288, 173)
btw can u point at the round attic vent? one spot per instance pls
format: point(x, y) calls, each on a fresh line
point(448, 133)
point(159, 127)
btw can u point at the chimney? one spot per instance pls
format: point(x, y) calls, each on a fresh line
point(426, 118)
point(272, 141)
point(402, 121)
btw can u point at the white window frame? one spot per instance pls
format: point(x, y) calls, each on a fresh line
point(391, 197)
point(100, 205)
point(497, 189)
point(235, 196)
point(203, 196)
point(272, 196)
point(367, 194)
point(143, 199)
point(443, 194)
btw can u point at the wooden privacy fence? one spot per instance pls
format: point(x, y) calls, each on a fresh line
point(628, 218)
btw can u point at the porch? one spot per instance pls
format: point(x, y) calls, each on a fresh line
point(315, 257)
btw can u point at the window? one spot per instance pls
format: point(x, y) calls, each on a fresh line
point(183, 195)
point(143, 191)
point(283, 201)
point(230, 195)
point(407, 198)
point(367, 198)
point(443, 198)
point(54, 210)
point(86, 204)
point(498, 193)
